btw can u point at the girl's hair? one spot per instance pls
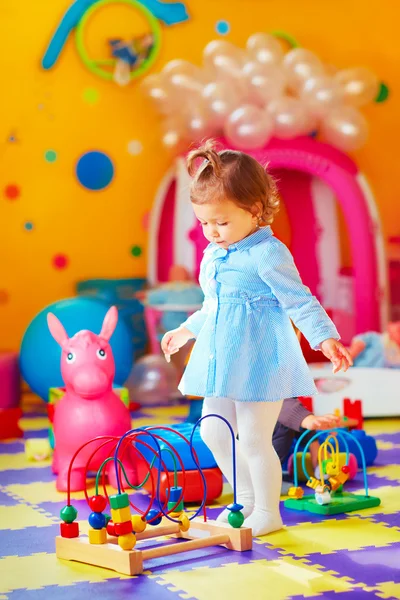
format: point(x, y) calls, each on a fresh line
point(233, 175)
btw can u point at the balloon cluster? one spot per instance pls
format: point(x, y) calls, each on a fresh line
point(261, 92)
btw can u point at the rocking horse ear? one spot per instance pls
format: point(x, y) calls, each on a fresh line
point(56, 329)
point(109, 323)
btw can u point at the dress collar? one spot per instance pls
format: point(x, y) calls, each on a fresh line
point(262, 233)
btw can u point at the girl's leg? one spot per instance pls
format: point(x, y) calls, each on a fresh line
point(215, 433)
point(256, 422)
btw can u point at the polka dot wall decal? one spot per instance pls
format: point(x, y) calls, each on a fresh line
point(94, 170)
point(12, 191)
point(60, 261)
point(28, 225)
point(50, 155)
point(4, 297)
point(136, 251)
point(91, 95)
point(222, 27)
point(135, 147)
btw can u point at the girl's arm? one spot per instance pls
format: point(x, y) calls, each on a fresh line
point(279, 272)
point(293, 414)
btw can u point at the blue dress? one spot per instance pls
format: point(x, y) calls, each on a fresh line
point(246, 348)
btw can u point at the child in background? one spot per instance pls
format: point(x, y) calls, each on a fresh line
point(247, 358)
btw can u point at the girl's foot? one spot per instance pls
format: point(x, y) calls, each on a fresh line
point(263, 522)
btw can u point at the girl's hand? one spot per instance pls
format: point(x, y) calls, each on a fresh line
point(173, 341)
point(312, 422)
point(337, 354)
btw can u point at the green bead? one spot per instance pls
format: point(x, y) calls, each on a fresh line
point(180, 506)
point(68, 514)
point(108, 518)
point(236, 519)
point(119, 501)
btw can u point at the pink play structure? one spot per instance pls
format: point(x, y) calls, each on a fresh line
point(89, 407)
point(312, 177)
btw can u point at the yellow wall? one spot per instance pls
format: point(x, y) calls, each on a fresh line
point(47, 110)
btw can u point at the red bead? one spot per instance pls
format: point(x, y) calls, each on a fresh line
point(111, 528)
point(123, 528)
point(69, 530)
point(97, 503)
point(346, 469)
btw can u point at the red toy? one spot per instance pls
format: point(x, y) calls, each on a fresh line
point(89, 404)
point(9, 428)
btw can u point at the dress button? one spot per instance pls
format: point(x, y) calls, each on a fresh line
point(211, 356)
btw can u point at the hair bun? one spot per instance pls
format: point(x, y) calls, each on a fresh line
point(209, 153)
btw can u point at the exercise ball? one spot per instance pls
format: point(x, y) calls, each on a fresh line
point(40, 354)
point(153, 381)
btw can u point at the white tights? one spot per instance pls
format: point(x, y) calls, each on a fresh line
point(258, 469)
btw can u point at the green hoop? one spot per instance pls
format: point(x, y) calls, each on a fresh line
point(95, 66)
point(283, 35)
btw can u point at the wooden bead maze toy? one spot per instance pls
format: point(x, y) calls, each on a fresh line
point(112, 539)
point(329, 497)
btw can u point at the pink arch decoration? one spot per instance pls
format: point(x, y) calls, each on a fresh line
point(308, 156)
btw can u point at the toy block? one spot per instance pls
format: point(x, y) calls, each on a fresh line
point(123, 528)
point(37, 449)
point(119, 501)
point(120, 515)
point(353, 410)
point(9, 418)
point(295, 492)
point(307, 402)
point(69, 530)
point(98, 536)
point(313, 483)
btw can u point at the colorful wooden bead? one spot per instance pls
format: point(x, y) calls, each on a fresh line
point(111, 528)
point(120, 515)
point(69, 530)
point(97, 536)
point(68, 514)
point(236, 519)
point(97, 520)
point(184, 523)
point(98, 503)
point(345, 469)
point(127, 542)
point(152, 517)
point(119, 501)
point(123, 528)
point(138, 523)
point(235, 507)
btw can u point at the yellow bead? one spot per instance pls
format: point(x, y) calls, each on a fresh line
point(127, 542)
point(175, 515)
point(184, 523)
point(98, 536)
point(120, 515)
point(295, 492)
point(138, 524)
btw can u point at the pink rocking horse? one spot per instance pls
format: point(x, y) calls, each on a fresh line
point(89, 407)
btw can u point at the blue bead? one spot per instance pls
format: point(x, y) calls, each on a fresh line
point(151, 514)
point(175, 493)
point(234, 507)
point(97, 520)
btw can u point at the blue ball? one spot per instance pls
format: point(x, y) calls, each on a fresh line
point(94, 170)
point(97, 520)
point(40, 354)
point(153, 512)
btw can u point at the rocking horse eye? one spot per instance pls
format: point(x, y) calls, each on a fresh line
point(101, 354)
point(70, 357)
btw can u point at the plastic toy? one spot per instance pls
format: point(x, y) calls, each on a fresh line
point(177, 436)
point(89, 403)
point(9, 427)
point(167, 517)
point(37, 449)
point(80, 11)
point(357, 439)
point(40, 354)
point(153, 381)
point(351, 462)
point(352, 416)
point(320, 173)
point(9, 380)
point(329, 497)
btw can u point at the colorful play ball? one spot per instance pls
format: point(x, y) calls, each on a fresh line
point(236, 519)
point(97, 503)
point(68, 514)
point(40, 354)
point(153, 381)
point(97, 520)
point(152, 518)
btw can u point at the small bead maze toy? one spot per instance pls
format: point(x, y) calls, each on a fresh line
point(112, 539)
point(329, 497)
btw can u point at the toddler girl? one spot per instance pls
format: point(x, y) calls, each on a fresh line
point(247, 357)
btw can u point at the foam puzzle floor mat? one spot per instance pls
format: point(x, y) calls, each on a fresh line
point(356, 554)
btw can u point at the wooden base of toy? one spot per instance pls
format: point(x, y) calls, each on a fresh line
point(130, 562)
point(341, 503)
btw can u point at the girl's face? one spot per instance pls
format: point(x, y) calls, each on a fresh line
point(225, 223)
